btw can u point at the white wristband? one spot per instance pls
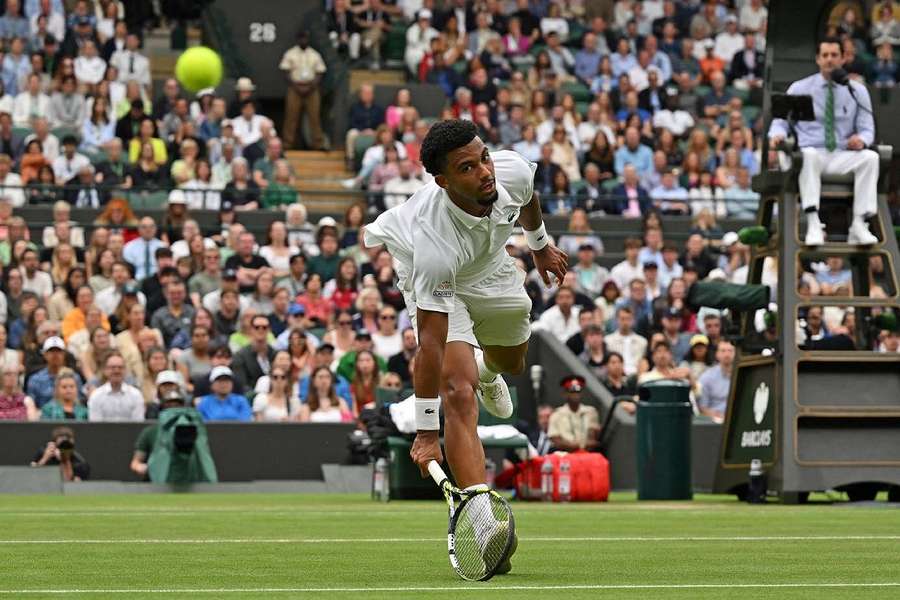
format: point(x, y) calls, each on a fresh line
point(538, 238)
point(427, 411)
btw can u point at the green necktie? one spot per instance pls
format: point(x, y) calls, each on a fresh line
point(830, 142)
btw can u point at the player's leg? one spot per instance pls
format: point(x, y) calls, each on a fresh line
point(505, 359)
point(463, 448)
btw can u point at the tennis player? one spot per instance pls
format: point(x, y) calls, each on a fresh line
point(465, 295)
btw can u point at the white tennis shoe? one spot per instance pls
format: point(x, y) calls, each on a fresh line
point(859, 234)
point(495, 397)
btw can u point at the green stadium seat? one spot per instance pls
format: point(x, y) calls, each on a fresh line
point(609, 185)
point(22, 132)
point(744, 95)
point(362, 143)
point(395, 45)
point(319, 332)
point(750, 113)
point(62, 132)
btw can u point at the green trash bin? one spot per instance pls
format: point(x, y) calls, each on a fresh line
point(664, 418)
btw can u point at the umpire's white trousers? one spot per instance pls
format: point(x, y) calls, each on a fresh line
point(862, 163)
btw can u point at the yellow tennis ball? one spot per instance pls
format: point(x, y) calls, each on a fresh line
point(199, 67)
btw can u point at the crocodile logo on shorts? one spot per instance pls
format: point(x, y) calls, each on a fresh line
point(444, 290)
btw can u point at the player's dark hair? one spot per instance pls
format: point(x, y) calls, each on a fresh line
point(443, 138)
point(830, 39)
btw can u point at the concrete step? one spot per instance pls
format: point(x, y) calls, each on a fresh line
point(310, 163)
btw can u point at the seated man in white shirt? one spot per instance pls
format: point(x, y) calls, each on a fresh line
point(69, 163)
point(397, 190)
point(247, 124)
point(10, 183)
point(561, 319)
point(115, 400)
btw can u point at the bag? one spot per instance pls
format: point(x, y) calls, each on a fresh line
point(589, 472)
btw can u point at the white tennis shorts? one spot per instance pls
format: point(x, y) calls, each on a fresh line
point(492, 312)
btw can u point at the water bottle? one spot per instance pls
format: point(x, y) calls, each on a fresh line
point(490, 472)
point(380, 483)
point(756, 488)
point(547, 481)
point(565, 481)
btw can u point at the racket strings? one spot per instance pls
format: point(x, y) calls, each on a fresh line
point(482, 535)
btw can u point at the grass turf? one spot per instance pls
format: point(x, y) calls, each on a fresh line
point(397, 550)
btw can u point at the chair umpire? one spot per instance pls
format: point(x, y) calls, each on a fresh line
point(835, 143)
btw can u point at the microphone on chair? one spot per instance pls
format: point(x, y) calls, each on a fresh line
point(841, 77)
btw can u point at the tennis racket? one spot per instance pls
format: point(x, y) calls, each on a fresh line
point(481, 530)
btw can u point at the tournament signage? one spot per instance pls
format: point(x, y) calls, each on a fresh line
point(751, 429)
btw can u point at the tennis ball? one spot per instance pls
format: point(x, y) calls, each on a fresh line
point(199, 67)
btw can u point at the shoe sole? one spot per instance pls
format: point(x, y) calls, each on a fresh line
point(506, 566)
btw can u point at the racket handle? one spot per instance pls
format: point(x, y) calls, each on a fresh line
point(436, 472)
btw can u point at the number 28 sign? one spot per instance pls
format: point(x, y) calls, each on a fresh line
point(262, 33)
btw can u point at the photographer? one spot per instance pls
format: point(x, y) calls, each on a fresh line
point(60, 450)
point(170, 396)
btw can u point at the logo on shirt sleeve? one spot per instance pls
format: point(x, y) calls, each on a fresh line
point(443, 290)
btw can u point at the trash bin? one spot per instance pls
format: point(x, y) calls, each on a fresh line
point(664, 416)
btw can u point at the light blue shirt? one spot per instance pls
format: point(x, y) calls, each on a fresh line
point(641, 158)
point(586, 64)
point(662, 62)
point(849, 118)
point(134, 253)
point(13, 70)
point(741, 203)
point(622, 64)
point(716, 386)
point(33, 7)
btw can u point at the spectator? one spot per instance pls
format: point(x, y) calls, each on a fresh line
point(141, 251)
point(753, 16)
point(322, 404)
point(679, 343)
point(387, 338)
point(280, 403)
point(729, 42)
point(400, 362)
point(10, 183)
point(176, 314)
point(561, 319)
point(397, 190)
point(67, 165)
point(223, 404)
point(14, 404)
point(246, 262)
point(634, 153)
point(241, 192)
point(33, 279)
point(42, 383)
point(303, 67)
point(591, 276)
point(629, 198)
point(254, 360)
point(115, 400)
point(697, 256)
point(626, 342)
point(884, 70)
point(593, 351)
point(835, 280)
point(718, 98)
point(716, 383)
point(60, 450)
point(364, 381)
point(886, 29)
point(67, 106)
point(630, 268)
point(669, 197)
point(616, 381)
point(574, 426)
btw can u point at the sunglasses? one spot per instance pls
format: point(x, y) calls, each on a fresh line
point(260, 327)
point(345, 323)
point(388, 317)
point(277, 377)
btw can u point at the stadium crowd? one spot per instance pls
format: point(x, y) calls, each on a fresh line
point(639, 109)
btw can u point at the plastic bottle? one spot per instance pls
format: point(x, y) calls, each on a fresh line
point(756, 488)
point(565, 480)
point(547, 481)
point(490, 472)
point(380, 484)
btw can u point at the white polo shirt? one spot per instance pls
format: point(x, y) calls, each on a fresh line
point(127, 404)
point(440, 248)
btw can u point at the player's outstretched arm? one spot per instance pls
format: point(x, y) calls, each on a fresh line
point(547, 257)
point(432, 326)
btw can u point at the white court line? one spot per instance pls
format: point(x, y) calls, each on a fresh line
point(481, 589)
point(397, 540)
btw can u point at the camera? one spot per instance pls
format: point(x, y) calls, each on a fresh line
point(65, 444)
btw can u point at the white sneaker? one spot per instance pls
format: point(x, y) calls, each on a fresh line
point(495, 397)
point(349, 183)
point(815, 236)
point(859, 234)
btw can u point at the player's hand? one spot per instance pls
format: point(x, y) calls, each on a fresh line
point(426, 448)
point(855, 143)
point(551, 259)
